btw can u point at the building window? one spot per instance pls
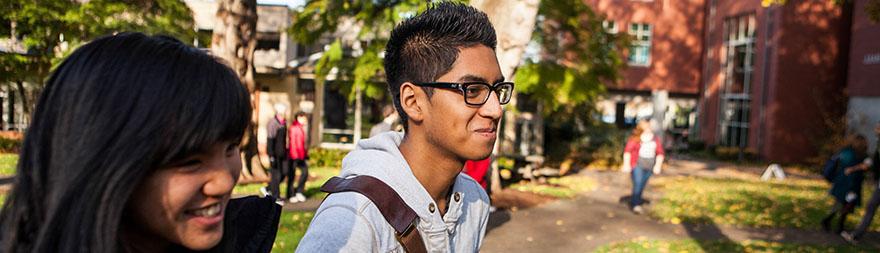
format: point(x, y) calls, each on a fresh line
point(268, 44)
point(738, 54)
point(640, 50)
point(610, 26)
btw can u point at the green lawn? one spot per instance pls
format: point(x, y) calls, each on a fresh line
point(692, 246)
point(292, 228)
point(317, 177)
point(563, 187)
point(793, 203)
point(7, 164)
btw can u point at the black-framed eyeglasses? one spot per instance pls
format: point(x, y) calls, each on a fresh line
point(477, 93)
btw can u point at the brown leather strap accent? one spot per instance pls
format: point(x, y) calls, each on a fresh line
point(401, 217)
point(413, 242)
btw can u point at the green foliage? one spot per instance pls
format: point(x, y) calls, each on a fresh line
point(556, 85)
point(606, 146)
point(578, 55)
point(332, 158)
point(583, 139)
point(49, 30)
point(8, 145)
point(372, 21)
point(691, 245)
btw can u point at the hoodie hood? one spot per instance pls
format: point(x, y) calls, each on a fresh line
point(380, 157)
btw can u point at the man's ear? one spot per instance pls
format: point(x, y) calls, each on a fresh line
point(411, 97)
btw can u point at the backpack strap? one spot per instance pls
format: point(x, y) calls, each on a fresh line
point(401, 217)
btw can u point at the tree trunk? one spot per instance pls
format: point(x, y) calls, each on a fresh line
point(25, 106)
point(234, 37)
point(234, 41)
point(514, 33)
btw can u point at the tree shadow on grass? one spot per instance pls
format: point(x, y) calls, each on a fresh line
point(709, 237)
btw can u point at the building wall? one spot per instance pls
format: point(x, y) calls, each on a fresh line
point(792, 93)
point(675, 47)
point(863, 82)
point(864, 57)
point(808, 80)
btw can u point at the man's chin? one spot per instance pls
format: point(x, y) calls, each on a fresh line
point(480, 156)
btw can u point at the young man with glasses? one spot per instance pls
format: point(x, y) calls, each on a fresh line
point(447, 87)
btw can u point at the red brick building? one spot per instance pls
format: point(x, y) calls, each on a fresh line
point(767, 79)
point(773, 76)
point(663, 64)
point(863, 82)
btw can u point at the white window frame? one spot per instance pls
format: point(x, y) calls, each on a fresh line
point(739, 31)
point(638, 33)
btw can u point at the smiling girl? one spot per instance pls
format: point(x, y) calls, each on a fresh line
point(134, 148)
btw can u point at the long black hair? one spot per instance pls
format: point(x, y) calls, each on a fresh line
point(116, 109)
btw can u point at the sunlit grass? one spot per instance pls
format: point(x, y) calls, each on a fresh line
point(793, 203)
point(291, 229)
point(7, 164)
point(563, 187)
point(692, 246)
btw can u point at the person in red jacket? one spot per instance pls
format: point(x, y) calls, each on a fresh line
point(643, 156)
point(298, 154)
point(477, 170)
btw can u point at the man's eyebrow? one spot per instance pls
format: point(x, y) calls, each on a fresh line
point(474, 78)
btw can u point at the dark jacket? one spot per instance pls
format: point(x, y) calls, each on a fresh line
point(844, 183)
point(875, 168)
point(276, 143)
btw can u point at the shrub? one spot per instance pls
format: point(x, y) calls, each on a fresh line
point(608, 143)
point(10, 142)
point(321, 157)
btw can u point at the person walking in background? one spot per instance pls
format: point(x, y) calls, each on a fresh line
point(642, 157)
point(871, 208)
point(298, 155)
point(846, 187)
point(276, 147)
point(477, 170)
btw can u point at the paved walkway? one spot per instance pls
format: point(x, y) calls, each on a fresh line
point(598, 218)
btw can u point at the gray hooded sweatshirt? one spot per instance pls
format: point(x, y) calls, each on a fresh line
point(349, 222)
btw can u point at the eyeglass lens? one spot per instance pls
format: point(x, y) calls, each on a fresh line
point(478, 94)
